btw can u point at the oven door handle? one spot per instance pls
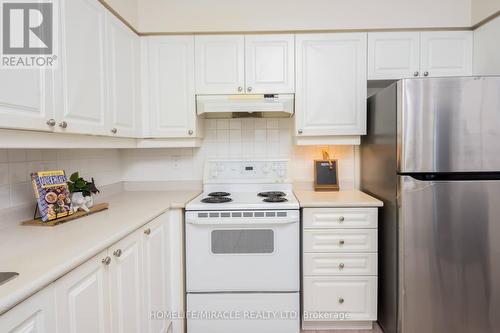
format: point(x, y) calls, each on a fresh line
point(232, 221)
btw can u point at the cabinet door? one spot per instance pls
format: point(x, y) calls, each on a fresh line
point(156, 286)
point(83, 80)
point(126, 271)
point(220, 67)
point(331, 84)
point(26, 99)
point(270, 64)
point(446, 53)
point(123, 54)
point(171, 104)
point(393, 55)
point(82, 298)
point(35, 315)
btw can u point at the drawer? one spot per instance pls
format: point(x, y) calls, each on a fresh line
point(340, 264)
point(354, 296)
point(340, 240)
point(343, 218)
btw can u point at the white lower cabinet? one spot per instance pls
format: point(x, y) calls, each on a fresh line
point(34, 315)
point(118, 290)
point(339, 268)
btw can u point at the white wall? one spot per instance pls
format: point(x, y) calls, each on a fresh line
point(481, 9)
point(236, 138)
point(264, 15)
point(16, 166)
point(486, 48)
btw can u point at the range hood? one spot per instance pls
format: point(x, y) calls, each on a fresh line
point(240, 106)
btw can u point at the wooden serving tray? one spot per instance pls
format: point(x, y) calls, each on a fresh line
point(78, 214)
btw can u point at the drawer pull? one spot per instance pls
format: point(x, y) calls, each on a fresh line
point(341, 300)
point(341, 242)
point(341, 266)
point(341, 219)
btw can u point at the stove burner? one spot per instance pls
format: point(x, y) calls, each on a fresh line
point(275, 199)
point(219, 194)
point(216, 200)
point(269, 194)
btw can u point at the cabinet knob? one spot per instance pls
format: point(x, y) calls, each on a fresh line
point(416, 73)
point(341, 219)
point(114, 130)
point(341, 242)
point(190, 132)
point(106, 261)
point(240, 89)
point(341, 265)
point(51, 122)
point(341, 300)
point(249, 89)
point(117, 253)
point(147, 231)
point(426, 73)
point(63, 124)
point(300, 131)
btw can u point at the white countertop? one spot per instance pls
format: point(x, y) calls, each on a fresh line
point(42, 254)
point(351, 198)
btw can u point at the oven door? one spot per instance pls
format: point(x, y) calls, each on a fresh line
point(242, 254)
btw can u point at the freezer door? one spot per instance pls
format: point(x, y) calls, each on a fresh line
point(449, 252)
point(449, 124)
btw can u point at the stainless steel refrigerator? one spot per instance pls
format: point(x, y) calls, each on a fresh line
point(432, 154)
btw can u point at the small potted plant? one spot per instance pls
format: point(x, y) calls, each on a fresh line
point(81, 192)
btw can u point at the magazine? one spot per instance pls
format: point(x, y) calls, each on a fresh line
point(52, 194)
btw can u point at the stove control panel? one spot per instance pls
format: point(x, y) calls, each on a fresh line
point(241, 171)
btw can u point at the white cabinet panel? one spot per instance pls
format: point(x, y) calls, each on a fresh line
point(270, 64)
point(26, 99)
point(446, 53)
point(126, 271)
point(156, 272)
point(345, 218)
point(393, 55)
point(352, 295)
point(34, 315)
point(340, 240)
point(331, 84)
point(82, 298)
point(220, 67)
point(171, 103)
point(340, 264)
point(84, 77)
point(123, 61)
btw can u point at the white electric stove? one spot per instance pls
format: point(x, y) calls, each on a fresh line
point(242, 250)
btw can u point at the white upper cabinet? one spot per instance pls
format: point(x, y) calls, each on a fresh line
point(84, 76)
point(331, 84)
point(269, 64)
point(446, 53)
point(393, 55)
point(220, 67)
point(82, 298)
point(396, 55)
point(123, 63)
point(170, 98)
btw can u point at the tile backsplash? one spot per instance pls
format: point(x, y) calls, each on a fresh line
point(224, 138)
point(16, 166)
point(236, 138)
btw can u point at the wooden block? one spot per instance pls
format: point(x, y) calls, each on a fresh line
point(78, 214)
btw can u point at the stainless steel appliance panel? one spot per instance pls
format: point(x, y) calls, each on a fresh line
point(449, 256)
point(449, 125)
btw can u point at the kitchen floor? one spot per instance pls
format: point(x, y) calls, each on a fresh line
point(376, 329)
